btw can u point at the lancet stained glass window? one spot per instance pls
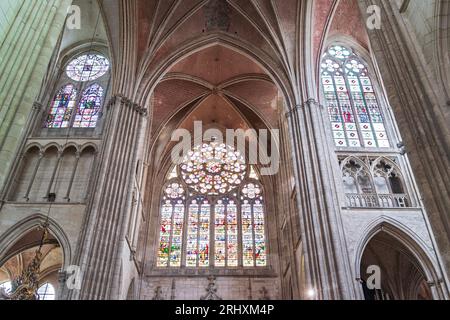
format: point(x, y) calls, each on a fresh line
point(355, 115)
point(171, 227)
point(89, 107)
point(82, 70)
point(220, 220)
point(62, 107)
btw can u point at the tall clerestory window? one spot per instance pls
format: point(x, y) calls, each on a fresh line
point(355, 114)
point(78, 103)
point(212, 212)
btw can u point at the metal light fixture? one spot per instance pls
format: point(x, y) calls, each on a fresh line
point(26, 286)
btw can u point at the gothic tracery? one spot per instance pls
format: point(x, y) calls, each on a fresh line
point(357, 117)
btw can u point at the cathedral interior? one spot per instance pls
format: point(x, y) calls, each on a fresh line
point(353, 96)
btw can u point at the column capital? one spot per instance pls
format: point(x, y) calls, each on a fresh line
point(308, 103)
point(127, 103)
point(37, 106)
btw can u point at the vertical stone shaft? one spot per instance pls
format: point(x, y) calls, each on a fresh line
point(99, 251)
point(326, 258)
point(24, 56)
point(420, 117)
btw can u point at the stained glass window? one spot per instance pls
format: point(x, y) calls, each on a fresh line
point(87, 67)
point(171, 227)
point(62, 107)
point(226, 233)
point(254, 239)
point(62, 114)
point(197, 250)
point(213, 169)
point(224, 224)
point(89, 107)
point(354, 112)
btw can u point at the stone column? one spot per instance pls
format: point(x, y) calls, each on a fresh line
point(421, 117)
point(8, 11)
point(326, 257)
point(101, 241)
point(25, 53)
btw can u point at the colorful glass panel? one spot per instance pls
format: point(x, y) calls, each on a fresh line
point(232, 234)
point(165, 232)
point(220, 235)
point(192, 237)
point(213, 169)
point(226, 234)
point(171, 227)
point(87, 67)
point(253, 226)
point(89, 107)
point(203, 243)
point(177, 236)
point(197, 248)
point(247, 234)
point(353, 109)
point(260, 238)
point(62, 107)
point(212, 232)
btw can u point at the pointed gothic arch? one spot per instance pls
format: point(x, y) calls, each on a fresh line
point(16, 232)
point(147, 84)
point(421, 252)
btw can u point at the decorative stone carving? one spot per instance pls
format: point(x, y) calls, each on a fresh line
point(127, 103)
point(308, 103)
point(211, 290)
point(158, 294)
point(264, 294)
point(37, 106)
point(173, 291)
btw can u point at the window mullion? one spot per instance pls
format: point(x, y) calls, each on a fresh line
point(240, 237)
point(212, 231)
point(341, 114)
point(354, 110)
point(185, 234)
point(198, 233)
point(375, 138)
point(172, 218)
point(225, 222)
point(253, 232)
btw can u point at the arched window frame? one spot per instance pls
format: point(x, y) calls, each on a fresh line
point(389, 125)
point(46, 291)
point(81, 87)
point(395, 169)
point(212, 200)
point(6, 285)
point(363, 172)
point(375, 199)
point(168, 230)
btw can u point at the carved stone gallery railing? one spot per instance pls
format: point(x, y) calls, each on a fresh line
point(370, 200)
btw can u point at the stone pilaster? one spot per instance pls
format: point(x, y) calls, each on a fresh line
point(326, 257)
point(109, 206)
point(420, 116)
point(24, 56)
